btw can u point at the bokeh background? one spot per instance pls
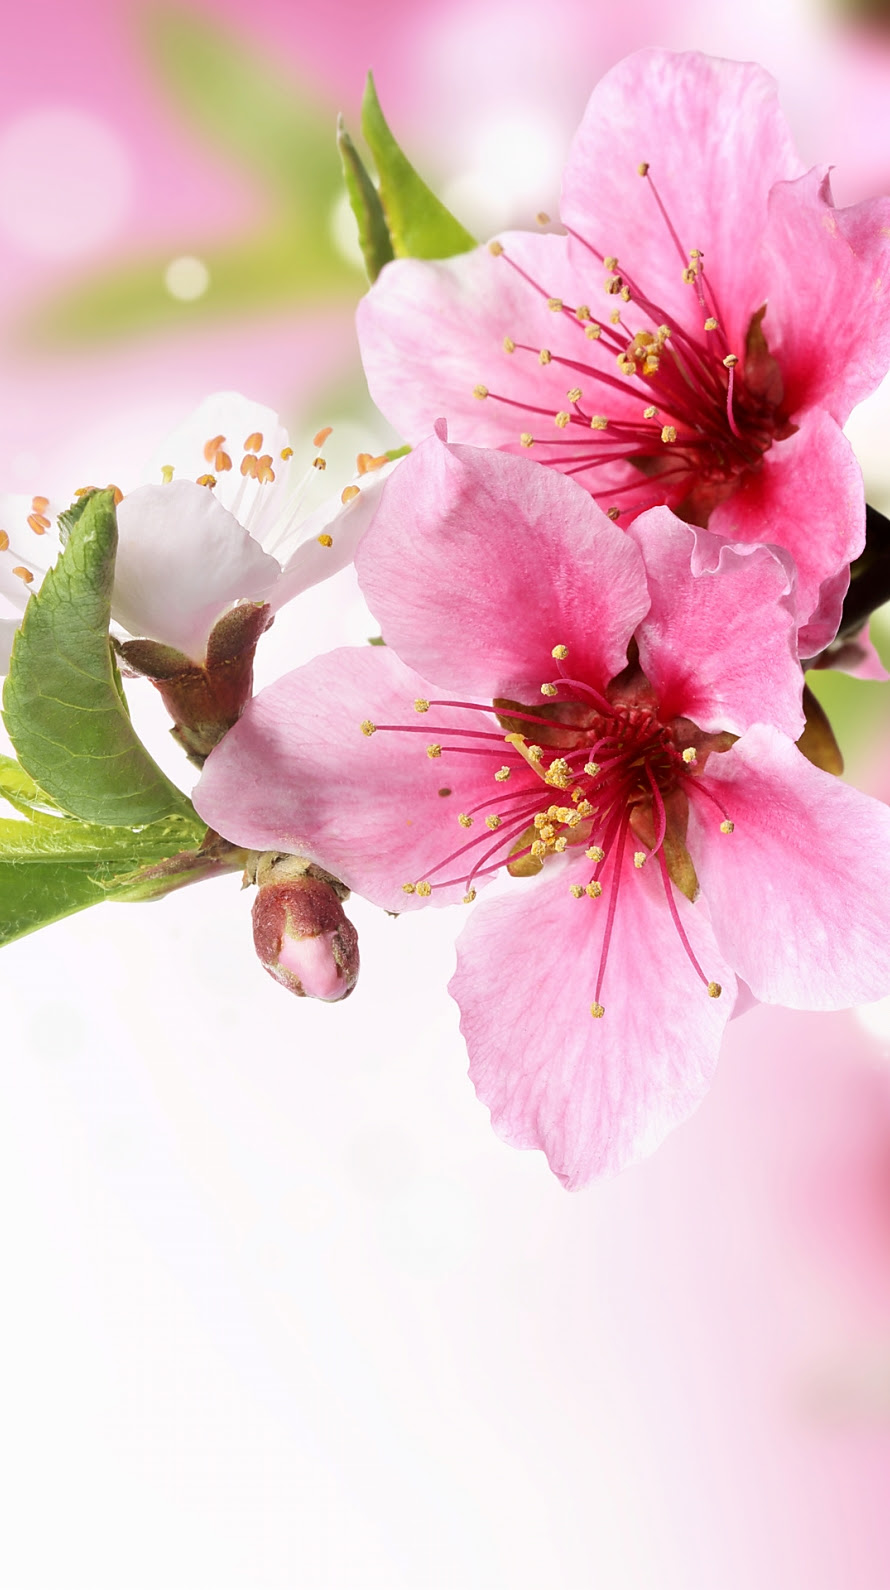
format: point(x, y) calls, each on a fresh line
point(278, 1309)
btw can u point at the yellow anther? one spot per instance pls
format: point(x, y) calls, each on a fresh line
point(560, 653)
point(421, 705)
point(317, 463)
point(727, 827)
point(625, 365)
point(492, 821)
point(615, 317)
point(534, 753)
point(424, 888)
point(689, 274)
point(625, 294)
point(731, 361)
point(433, 751)
point(544, 356)
point(4, 541)
point(597, 1010)
point(584, 808)
point(248, 466)
point(480, 392)
point(116, 493)
point(650, 412)
point(591, 769)
point(669, 433)
point(526, 439)
point(574, 394)
point(408, 888)
point(559, 774)
point(495, 248)
point(252, 445)
point(710, 324)
point(555, 304)
point(39, 523)
point(695, 254)
point(548, 831)
point(542, 218)
point(465, 821)
point(509, 345)
point(595, 853)
point(576, 891)
point(593, 889)
point(368, 727)
point(321, 436)
point(22, 573)
point(582, 312)
point(212, 447)
point(548, 690)
point(689, 756)
point(469, 897)
point(611, 262)
point(538, 848)
point(286, 453)
point(324, 540)
point(598, 422)
point(614, 285)
point(349, 494)
point(502, 774)
point(166, 473)
point(206, 480)
point(714, 990)
point(84, 491)
point(643, 168)
point(594, 332)
point(561, 419)
point(222, 462)
point(663, 333)
point(639, 858)
point(613, 513)
point(572, 819)
point(560, 843)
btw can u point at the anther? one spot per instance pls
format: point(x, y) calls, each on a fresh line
point(689, 756)
point(116, 493)
point(526, 439)
point(321, 436)
point(714, 990)
point(509, 345)
point(212, 447)
point(548, 690)
point(433, 751)
point(574, 394)
point(561, 419)
point(23, 574)
point(286, 453)
point(480, 392)
point(555, 304)
point(597, 1010)
point(613, 513)
point(595, 853)
point(495, 248)
point(611, 262)
point(469, 897)
point(594, 890)
point(542, 218)
point(421, 705)
point(727, 827)
point(593, 332)
point(248, 466)
point(591, 769)
point(502, 774)
point(465, 821)
point(560, 653)
point(4, 541)
point(368, 727)
point(560, 843)
point(582, 312)
point(731, 361)
point(643, 168)
point(710, 324)
point(206, 480)
point(318, 463)
point(650, 412)
point(598, 422)
point(669, 433)
point(253, 444)
point(324, 540)
point(639, 858)
point(544, 356)
point(39, 523)
point(222, 462)
point(492, 821)
point(576, 891)
point(166, 473)
point(424, 888)
point(689, 275)
point(408, 888)
point(349, 494)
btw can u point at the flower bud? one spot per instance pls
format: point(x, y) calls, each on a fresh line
point(300, 930)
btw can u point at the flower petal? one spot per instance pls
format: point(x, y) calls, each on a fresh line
point(718, 644)
point(431, 331)
point(715, 140)
point(827, 321)
point(822, 529)
point(595, 1095)
point(8, 632)
point(478, 564)
point(345, 524)
point(799, 893)
point(297, 774)
point(182, 560)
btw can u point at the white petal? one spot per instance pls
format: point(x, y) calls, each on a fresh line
point(346, 523)
point(182, 560)
point(235, 419)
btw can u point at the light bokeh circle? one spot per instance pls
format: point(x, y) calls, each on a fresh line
point(65, 182)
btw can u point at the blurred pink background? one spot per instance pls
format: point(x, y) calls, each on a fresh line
point(280, 1310)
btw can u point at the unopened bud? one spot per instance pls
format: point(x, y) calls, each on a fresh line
point(301, 933)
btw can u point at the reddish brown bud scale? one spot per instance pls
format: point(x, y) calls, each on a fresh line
point(302, 934)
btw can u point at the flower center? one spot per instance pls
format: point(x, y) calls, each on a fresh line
point(594, 777)
point(652, 404)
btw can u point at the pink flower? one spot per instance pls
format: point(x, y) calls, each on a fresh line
point(697, 339)
point(608, 763)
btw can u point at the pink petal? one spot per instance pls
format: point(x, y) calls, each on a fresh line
point(595, 1095)
point(823, 529)
point(855, 655)
point(799, 893)
point(478, 564)
point(719, 646)
point(297, 774)
point(182, 560)
point(827, 320)
point(716, 140)
point(432, 331)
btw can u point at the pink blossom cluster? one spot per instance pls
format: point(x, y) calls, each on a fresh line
point(628, 519)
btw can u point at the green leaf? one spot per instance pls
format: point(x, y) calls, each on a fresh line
point(419, 224)
point(373, 232)
point(62, 709)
